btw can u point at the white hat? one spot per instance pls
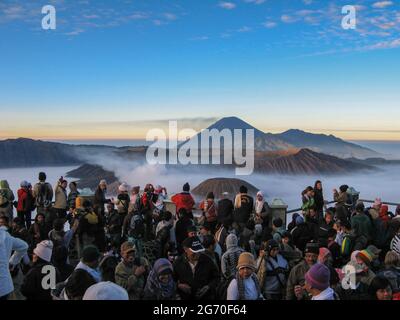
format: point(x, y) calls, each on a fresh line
point(44, 250)
point(105, 291)
point(123, 188)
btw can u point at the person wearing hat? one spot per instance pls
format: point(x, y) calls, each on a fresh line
point(273, 270)
point(90, 261)
point(325, 258)
point(225, 211)
point(160, 284)
point(361, 275)
point(317, 283)
point(123, 200)
point(181, 228)
point(132, 271)
point(340, 197)
point(195, 273)
point(375, 209)
point(105, 291)
point(32, 287)
point(361, 223)
point(184, 200)
point(245, 285)
point(294, 288)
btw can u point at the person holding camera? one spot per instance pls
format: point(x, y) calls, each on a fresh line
point(131, 273)
point(273, 270)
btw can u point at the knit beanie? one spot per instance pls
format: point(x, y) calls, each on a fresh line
point(246, 259)
point(323, 252)
point(366, 256)
point(105, 291)
point(318, 277)
point(299, 220)
point(44, 250)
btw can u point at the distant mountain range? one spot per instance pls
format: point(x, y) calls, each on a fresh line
point(291, 152)
point(295, 138)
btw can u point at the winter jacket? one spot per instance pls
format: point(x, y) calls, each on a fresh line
point(362, 225)
point(205, 274)
point(296, 277)
point(319, 200)
point(100, 200)
point(301, 235)
point(43, 192)
point(225, 212)
point(7, 197)
point(114, 221)
point(393, 275)
point(93, 272)
point(323, 230)
point(60, 198)
point(183, 200)
point(242, 213)
point(126, 278)
point(272, 274)
point(230, 258)
point(25, 200)
point(32, 287)
point(8, 244)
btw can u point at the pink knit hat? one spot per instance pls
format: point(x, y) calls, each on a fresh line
point(44, 250)
point(323, 252)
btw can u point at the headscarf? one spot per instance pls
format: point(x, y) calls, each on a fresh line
point(259, 204)
point(157, 288)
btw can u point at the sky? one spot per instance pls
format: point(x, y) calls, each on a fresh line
point(115, 69)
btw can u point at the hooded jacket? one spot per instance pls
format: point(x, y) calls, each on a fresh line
point(8, 194)
point(230, 258)
point(7, 245)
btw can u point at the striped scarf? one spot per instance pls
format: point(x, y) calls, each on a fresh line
point(241, 287)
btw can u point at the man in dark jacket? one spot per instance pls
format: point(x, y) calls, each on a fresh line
point(100, 198)
point(325, 225)
point(181, 227)
point(225, 211)
point(196, 274)
point(243, 208)
point(32, 286)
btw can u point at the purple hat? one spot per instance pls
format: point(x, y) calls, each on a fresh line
point(318, 276)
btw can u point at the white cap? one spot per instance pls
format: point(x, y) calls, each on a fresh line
point(44, 250)
point(105, 291)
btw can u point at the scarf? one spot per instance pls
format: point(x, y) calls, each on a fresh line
point(155, 287)
point(241, 286)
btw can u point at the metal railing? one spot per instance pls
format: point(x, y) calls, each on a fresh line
point(361, 200)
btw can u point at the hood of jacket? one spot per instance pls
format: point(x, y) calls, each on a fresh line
point(4, 184)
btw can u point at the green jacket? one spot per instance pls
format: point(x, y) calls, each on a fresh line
point(125, 277)
point(362, 225)
point(296, 277)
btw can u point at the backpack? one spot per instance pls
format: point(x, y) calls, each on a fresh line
point(3, 198)
point(42, 197)
point(136, 226)
point(211, 212)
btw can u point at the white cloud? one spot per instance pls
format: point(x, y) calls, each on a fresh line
point(382, 4)
point(244, 29)
point(288, 19)
point(269, 24)
point(227, 5)
point(255, 1)
point(308, 2)
point(170, 16)
point(391, 44)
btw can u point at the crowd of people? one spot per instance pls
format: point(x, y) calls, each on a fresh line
point(131, 247)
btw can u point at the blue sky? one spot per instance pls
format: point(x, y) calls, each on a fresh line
point(113, 69)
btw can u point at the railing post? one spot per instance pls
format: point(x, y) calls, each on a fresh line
point(278, 210)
